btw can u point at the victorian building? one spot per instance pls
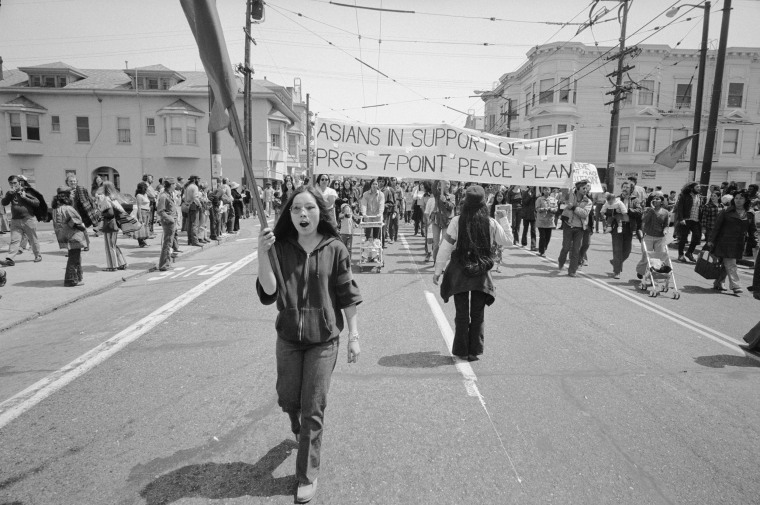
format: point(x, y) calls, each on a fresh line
point(564, 86)
point(120, 124)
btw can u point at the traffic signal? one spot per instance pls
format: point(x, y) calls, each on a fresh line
point(257, 11)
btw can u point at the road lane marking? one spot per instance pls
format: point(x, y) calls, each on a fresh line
point(675, 317)
point(464, 367)
point(34, 394)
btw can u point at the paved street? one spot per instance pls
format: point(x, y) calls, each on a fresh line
point(159, 389)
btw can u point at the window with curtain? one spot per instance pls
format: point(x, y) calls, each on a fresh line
point(192, 131)
point(15, 120)
point(683, 96)
point(625, 139)
point(546, 91)
point(174, 129)
point(730, 141)
point(643, 136)
point(32, 127)
point(564, 90)
point(735, 94)
point(124, 135)
point(646, 92)
point(544, 131)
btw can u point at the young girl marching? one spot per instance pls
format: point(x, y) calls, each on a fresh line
point(318, 285)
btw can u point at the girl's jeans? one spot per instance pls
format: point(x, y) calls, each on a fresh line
point(303, 380)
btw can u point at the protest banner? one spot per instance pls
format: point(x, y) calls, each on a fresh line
point(440, 151)
point(587, 171)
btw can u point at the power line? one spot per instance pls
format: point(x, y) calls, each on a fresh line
point(360, 61)
point(568, 79)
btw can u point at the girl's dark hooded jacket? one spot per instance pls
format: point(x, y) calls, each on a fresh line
point(317, 287)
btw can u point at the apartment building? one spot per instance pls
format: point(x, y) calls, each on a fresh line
point(120, 124)
point(563, 86)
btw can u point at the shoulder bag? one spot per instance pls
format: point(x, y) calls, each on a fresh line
point(127, 222)
point(708, 265)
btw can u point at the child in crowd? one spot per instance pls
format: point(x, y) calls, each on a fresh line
point(347, 226)
point(615, 213)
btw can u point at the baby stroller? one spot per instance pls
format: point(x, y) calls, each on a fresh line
point(371, 250)
point(659, 275)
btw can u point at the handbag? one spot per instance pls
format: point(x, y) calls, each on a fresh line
point(708, 265)
point(475, 264)
point(127, 222)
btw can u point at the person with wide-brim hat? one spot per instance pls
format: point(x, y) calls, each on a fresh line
point(467, 243)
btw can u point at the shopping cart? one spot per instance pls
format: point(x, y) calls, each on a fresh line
point(658, 278)
point(371, 250)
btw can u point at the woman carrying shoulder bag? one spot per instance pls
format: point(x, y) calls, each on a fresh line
point(467, 241)
point(110, 207)
point(733, 227)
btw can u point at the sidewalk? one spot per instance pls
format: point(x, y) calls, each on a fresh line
point(35, 289)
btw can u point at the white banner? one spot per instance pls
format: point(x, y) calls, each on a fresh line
point(440, 151)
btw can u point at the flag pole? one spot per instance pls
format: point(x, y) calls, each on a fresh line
point(240, 141)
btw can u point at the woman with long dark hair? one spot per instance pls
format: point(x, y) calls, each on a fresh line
point(143, 213)
point(317, 289)
point(499, 198)
point(733, 227)
point(110, 208)
point(467, 242)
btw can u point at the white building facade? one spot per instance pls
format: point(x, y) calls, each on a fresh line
point(563, 86)
point(120, 124)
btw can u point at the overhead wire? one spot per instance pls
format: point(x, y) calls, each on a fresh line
point(361, 57)
point(379, 47)
point(438, 14)
point(522, 104)
point(360, 61)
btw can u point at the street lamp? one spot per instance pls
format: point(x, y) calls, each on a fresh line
point(700, 85)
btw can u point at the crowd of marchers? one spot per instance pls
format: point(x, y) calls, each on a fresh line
point(80, 213)
point(725, 221)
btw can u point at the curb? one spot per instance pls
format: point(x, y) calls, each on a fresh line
point(102, 289)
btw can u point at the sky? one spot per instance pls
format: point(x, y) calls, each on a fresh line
point(433, 59)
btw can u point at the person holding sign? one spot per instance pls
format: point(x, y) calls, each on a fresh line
point(514, 198)
point(467, 241)
point(574, 222)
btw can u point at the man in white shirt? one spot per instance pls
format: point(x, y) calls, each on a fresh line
point(192, 201)
point(329, 194)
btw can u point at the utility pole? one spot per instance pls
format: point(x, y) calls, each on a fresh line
point(617, 97)
point(247, 122)
point(700, 95)
point(214, 145)
point(308, 142)
point(712, 122)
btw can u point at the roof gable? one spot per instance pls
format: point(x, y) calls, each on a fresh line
point(181, 107)
point(22, 103)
